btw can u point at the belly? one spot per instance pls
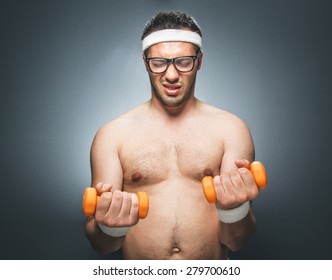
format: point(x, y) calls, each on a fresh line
point(180, 225)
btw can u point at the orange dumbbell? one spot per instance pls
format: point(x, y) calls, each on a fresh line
point(90, 200)
point(257, 170)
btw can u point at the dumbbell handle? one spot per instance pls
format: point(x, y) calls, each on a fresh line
point(257, 170)
point(90, 200)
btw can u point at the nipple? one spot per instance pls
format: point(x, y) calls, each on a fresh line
point(136, 177)
point(208, 172)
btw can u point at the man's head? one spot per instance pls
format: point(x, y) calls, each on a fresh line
point(172, 54)
point(171, 20)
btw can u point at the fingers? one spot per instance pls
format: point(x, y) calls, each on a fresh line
point(235, 187)
point(116, 209)
point(101, 187)
point(242, 163)
point(124, 206)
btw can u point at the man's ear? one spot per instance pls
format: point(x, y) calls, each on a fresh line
point(145, 63)
point(200, 58)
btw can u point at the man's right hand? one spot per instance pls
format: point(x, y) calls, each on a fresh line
point(115, 208)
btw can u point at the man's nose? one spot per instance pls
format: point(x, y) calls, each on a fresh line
point(171, 73)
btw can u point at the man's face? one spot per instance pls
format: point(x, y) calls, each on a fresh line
point(173, 88)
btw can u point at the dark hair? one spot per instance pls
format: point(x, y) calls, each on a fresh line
point(171, 20)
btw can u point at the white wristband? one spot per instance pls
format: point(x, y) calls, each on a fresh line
point(235, 214)
point(114, 231)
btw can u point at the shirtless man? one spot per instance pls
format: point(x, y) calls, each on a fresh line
point(165, 147)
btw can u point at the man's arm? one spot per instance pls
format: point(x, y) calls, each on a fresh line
point(107, 178)
point(235, 185)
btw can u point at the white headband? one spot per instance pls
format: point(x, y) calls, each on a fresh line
point(171, 35)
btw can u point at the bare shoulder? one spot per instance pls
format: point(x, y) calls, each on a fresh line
point(233, 131)
point(114, 130)
point(231, 127)
point(105, 148)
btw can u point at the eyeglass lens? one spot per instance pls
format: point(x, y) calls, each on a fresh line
point(182, 64)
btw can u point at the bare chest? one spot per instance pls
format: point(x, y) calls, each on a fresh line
point(149, 158)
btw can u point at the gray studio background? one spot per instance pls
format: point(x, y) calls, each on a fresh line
point(68, 67)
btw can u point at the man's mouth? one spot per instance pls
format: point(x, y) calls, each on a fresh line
point(172, 89)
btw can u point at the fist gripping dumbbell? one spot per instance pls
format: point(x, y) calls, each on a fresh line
point(90, 200)
point(257, 170)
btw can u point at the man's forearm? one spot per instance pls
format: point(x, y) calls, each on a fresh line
point(101, 242)
point(235, 235)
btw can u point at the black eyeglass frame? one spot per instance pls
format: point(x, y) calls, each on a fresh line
point(171, 61)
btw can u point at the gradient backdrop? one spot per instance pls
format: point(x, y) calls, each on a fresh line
point(68, 67)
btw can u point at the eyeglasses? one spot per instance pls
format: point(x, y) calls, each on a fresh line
point(182, 64)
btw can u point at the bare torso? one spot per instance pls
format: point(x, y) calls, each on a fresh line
point(168, 160)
